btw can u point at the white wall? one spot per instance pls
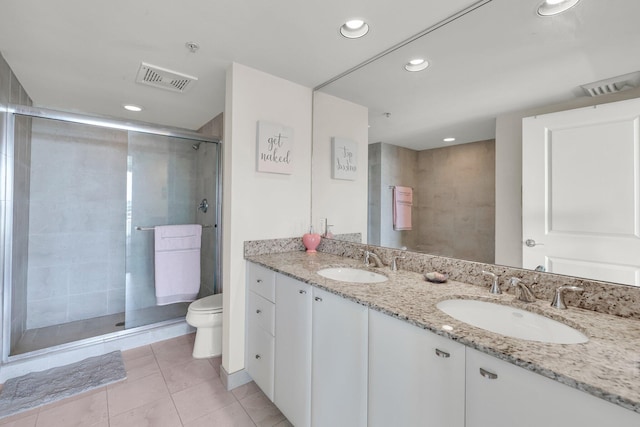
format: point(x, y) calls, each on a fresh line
point(258, 205)
point(343, 202)
point(509, 172)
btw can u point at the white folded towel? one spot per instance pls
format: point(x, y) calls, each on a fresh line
point(177, 263)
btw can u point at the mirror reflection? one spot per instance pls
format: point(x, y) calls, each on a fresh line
point(487, 71)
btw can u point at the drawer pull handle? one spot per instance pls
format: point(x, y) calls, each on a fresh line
point(441, 353)
point(302, 291)
point(259, 280)
point(258, 311)
point(318, 299)
point(487, 374)
point(258, 357)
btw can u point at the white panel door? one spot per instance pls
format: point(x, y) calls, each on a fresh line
point(581, 192)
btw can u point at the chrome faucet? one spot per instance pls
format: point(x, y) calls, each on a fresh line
point(558, 299)
point(522, 291)
point(495, 286)
point(368, 256)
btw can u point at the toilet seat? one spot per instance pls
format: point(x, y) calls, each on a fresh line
point(210, 304)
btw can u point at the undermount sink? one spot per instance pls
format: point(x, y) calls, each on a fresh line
point(353, 275)
point(511, 321)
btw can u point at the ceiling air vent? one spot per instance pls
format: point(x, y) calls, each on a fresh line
point(613, 85)
point(164, 79)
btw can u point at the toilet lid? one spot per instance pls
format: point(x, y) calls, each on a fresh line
point(211, 303)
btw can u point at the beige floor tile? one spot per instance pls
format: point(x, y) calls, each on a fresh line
point(216, 362)
point(27, 419)
point(141, 367)
point(128, 395)
point(201, 399)
point(229, 416)
point(161, 413)
point(136, 353)
point(81, 412)
point(173, 351)
point(245, 390)
point(261, 410)
point(284, 423)
point(184, 375)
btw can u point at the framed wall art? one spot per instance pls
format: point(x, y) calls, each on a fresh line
point(274, 148)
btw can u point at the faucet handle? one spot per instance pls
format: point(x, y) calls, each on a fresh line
point(495, 286)
point(558, 299)
point(394, 264)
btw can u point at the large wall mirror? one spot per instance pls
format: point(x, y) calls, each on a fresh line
point(489, 68)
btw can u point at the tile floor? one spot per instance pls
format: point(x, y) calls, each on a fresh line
point(165, 387)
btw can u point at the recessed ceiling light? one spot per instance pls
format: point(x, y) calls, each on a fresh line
point(416, 64)
point(132, 107)
point(554, 7)
point(449, 139)
point(354, 28)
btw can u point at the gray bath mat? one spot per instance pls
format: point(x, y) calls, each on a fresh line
point(39, 388)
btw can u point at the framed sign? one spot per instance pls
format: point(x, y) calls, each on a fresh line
point(344, 156)
point(274, 146)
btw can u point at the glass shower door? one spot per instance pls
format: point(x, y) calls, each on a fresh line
point(162, 189)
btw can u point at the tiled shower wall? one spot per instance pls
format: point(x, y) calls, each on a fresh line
point(17, 160)
point(77, 222)
point(457, 201)
point(454, 199)
point(207, 165)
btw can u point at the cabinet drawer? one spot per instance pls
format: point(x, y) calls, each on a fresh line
point(260, 357)
point(261, 313)
point(262, 281)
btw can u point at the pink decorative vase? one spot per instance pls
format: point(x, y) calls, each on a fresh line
point(311, 241)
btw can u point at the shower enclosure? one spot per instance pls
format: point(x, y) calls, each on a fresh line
point(78, 235)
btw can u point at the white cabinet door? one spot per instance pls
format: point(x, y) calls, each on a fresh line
point(339, 362)
point(260, 345)
point(260, 351)
point(293, 350)
point(416, 378)
point(500, 394)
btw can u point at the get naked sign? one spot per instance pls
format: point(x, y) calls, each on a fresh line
point(275, 144)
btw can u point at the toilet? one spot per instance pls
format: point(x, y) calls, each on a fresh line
point(205, 314)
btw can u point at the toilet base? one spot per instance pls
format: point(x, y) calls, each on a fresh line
point(208, 342)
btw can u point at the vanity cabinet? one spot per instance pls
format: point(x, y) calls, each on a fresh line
point(292, 393)
point(416, 378)
point(500, 394)
point(339, 361)
point(260, 315)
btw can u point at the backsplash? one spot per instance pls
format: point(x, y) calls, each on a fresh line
point(602, 297)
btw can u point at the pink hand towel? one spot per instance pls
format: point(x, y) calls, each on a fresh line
point(402, 202)
point(177, 263)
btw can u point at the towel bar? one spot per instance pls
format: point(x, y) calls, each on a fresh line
point(153, 228)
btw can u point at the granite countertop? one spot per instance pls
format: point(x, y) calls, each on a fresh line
point(607, 366)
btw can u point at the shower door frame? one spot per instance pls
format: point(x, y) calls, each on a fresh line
point(6, 226)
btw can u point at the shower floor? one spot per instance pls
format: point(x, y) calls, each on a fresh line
point(49, 336)
point(37, 339)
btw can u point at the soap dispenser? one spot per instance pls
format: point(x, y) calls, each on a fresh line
point(311, 240)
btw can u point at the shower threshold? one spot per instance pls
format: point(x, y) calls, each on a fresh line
point(51, 336)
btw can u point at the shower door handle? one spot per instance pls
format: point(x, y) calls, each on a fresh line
point(204, 206)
